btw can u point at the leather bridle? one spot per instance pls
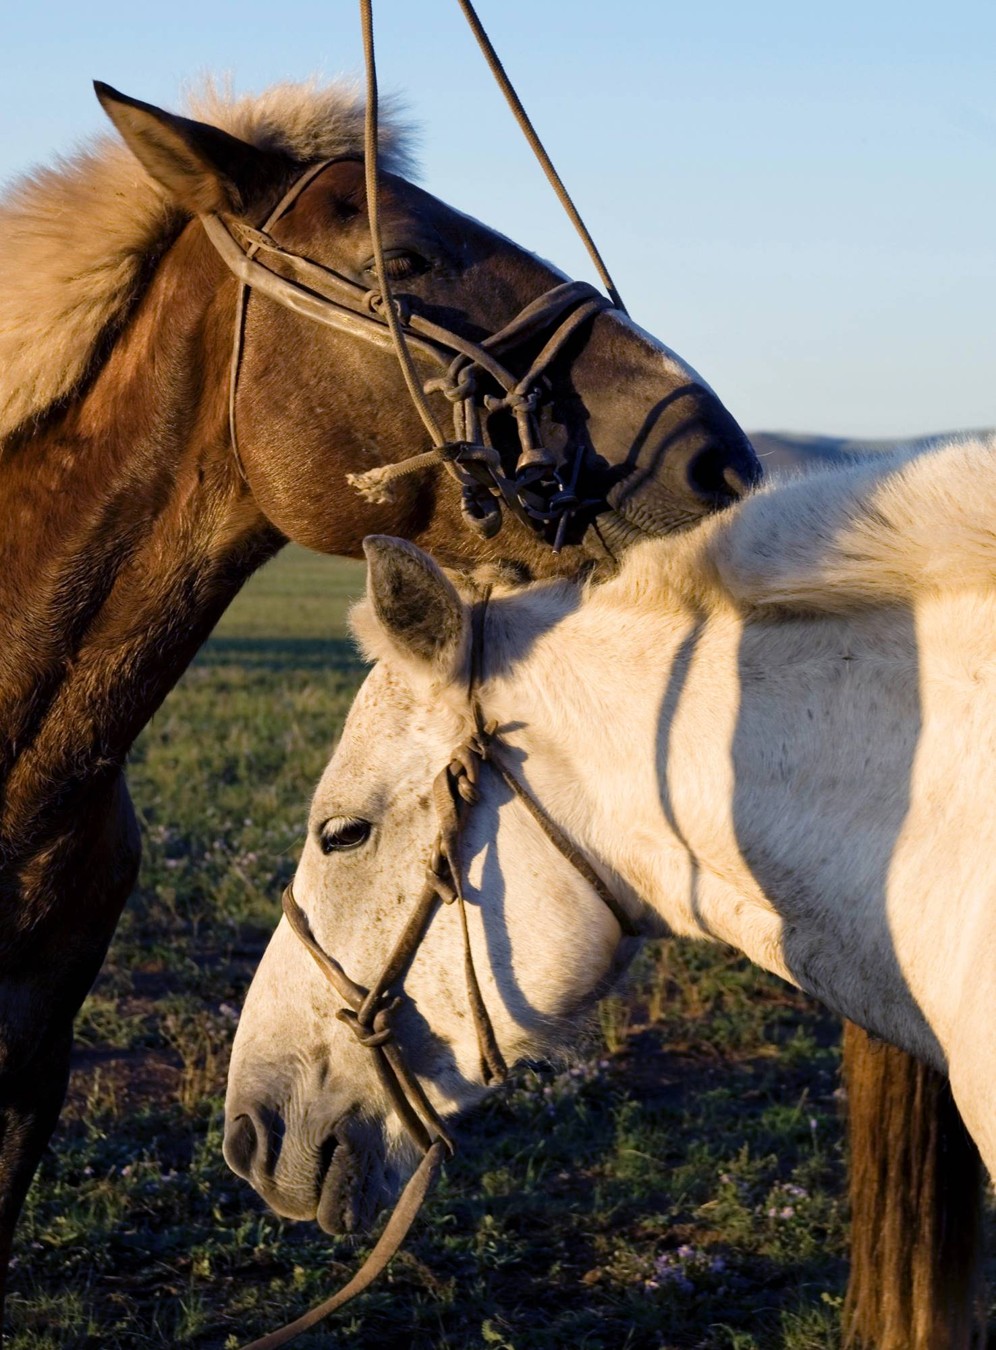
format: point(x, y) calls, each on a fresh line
point(370, 1012)
point(542, 488)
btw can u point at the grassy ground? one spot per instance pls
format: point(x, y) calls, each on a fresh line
point(680, 1188)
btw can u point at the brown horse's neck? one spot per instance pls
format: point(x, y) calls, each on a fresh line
point(125, 530)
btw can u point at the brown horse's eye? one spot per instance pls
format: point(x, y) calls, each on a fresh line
point(400, 265)
point(342, 833)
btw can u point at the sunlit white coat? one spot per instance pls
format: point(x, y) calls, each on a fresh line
point(777, 731)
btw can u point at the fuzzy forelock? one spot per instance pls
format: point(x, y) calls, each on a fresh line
point(79, 234)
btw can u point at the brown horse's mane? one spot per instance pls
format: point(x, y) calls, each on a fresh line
point(80, 236)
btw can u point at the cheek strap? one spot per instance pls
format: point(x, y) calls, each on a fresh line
point(370, 1013)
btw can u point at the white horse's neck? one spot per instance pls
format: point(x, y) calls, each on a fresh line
point(629, 740)
point(793, 786)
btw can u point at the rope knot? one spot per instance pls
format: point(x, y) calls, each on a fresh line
point(457, 388)
point(439, 876)
point(518, 401)
point(379, 1031)
point(481, 738)
point(374, 303)
point(464, 782)
point(467, 758)
point(523, 401)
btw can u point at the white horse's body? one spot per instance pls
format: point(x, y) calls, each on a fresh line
point(777, 731)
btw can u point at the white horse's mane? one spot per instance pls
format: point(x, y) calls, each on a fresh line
point(888, 529)
point(881, 531)
point(78, 236)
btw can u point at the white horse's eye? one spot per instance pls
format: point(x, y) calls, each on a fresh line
point(343, 832)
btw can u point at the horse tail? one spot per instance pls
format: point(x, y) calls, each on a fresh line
point(916, 1190)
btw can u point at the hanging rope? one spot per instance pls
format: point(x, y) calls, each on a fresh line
point(479, 499)
point(529, 131)
point(412, 379)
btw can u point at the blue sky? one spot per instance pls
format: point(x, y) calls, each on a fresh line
point(799, 198)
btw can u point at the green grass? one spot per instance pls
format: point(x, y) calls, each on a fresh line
point(681, 1187)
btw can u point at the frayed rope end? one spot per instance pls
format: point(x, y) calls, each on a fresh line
point(373, 486)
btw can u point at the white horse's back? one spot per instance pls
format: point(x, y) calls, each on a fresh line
point(895, 526)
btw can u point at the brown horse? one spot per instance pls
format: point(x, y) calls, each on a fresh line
point(128, 521)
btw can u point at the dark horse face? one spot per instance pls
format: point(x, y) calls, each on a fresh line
point(640, 412)
point(314, 404)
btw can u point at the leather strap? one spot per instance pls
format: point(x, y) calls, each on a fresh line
point(242, 300)
point(394, 1234)
point(324, 296)
point(370, 1012)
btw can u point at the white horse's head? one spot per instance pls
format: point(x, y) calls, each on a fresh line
point(308, 1119)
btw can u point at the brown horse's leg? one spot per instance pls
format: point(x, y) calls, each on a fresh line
point(30, 1101)
point(916, 1207)
point(42, 991)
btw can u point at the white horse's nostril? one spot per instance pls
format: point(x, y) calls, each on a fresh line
point(240, 1145)
point(325, 1156)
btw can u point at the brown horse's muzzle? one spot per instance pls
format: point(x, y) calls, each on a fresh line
point(666, 450)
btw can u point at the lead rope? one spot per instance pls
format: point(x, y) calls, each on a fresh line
point(538, 149)
point(390, 1240)
point(375, 484)
point(370, 1013)
point(373, 211)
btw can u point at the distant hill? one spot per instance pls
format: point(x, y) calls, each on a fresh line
point(794, 450)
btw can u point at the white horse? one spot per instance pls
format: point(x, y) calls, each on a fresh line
point(777, 731)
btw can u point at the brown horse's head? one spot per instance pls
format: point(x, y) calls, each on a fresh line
point(313, 404)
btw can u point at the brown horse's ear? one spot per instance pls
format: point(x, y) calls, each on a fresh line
point(202, 168)
point(415, 607)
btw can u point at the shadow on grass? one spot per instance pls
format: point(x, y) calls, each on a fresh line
point(554, 1222)
point(545, 1232)
point(280, 653)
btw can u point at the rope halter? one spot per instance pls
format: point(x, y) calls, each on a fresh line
point(370, 1013)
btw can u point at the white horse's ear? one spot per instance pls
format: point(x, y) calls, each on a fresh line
point(203, 168)
point(414, 606)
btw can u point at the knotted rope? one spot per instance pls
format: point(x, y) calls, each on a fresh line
point(370, 1012)
point(480, 509)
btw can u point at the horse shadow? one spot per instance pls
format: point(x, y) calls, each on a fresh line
point(792, 757)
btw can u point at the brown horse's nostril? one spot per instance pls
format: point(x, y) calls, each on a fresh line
point(705, 474)
point(241, 1141)
point(718, 479)
point(737, 482)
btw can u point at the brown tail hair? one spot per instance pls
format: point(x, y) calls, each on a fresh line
point(916, 1207)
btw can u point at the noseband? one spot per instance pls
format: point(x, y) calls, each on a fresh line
point(541, 489)
point(370, 1012)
